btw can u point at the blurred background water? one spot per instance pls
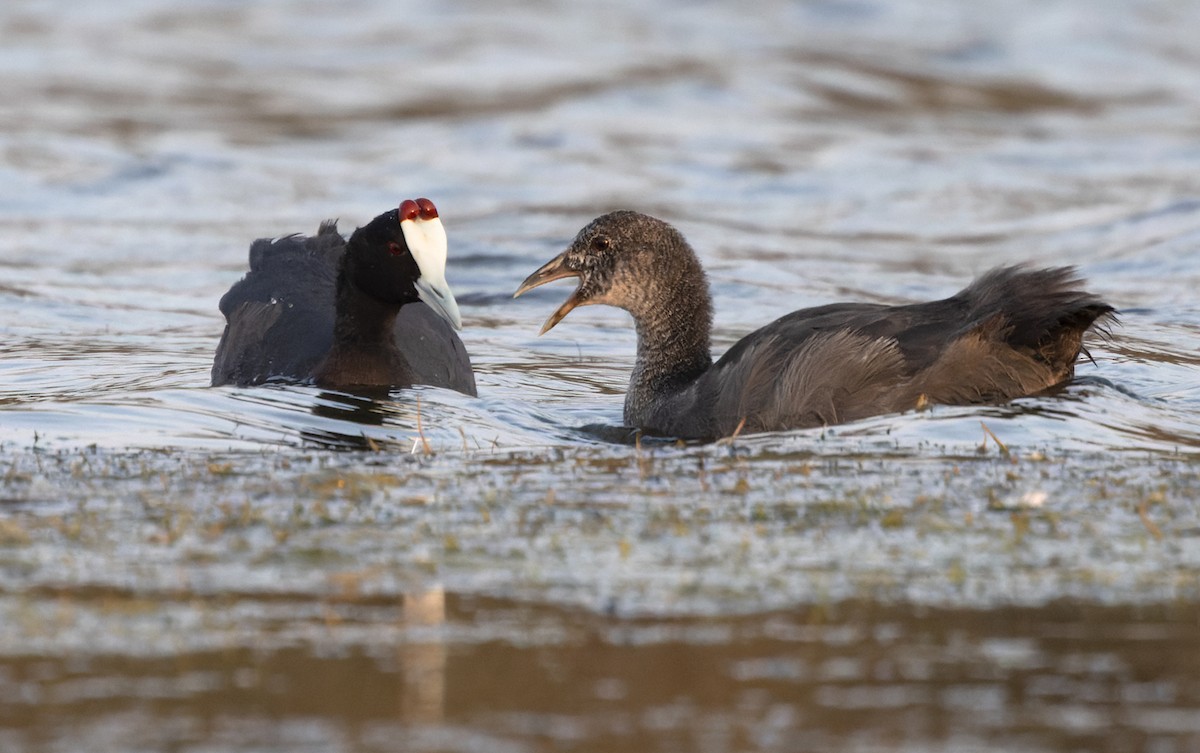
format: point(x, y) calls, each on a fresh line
point(160, 558)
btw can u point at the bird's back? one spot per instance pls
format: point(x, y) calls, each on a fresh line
point(1012, 332)
point(279, 317)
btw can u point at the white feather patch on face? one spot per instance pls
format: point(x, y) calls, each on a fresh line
point(426, 241)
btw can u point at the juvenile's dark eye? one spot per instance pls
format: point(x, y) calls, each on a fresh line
point(601, 242)
point(395, 249)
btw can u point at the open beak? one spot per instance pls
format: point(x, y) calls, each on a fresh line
point(555, 269)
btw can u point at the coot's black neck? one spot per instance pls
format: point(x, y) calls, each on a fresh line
point(360, 319)
point(364, 350)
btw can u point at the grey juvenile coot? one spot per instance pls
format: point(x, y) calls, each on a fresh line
point(1012, 332)
point(373, 311)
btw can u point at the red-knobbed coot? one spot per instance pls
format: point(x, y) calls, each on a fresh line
point(1012, 332)
point(372, 311)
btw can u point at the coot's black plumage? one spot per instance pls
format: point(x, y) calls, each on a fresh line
point(1012, 332)
point(371, 311)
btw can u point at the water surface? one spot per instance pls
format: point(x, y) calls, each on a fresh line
point(191, 568)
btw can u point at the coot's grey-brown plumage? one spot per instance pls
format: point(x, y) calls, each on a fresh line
point(1012, 332)
point(373, 311)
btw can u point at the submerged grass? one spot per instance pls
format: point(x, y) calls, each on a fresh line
point(756, 567)
point(663, 529)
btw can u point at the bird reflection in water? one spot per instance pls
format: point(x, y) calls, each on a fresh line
point(374, 408)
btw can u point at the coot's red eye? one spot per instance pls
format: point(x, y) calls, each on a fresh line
point(409, 210)
point(395, 249)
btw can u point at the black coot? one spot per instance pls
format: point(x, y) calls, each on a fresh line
point(1012, 332)
point(373, 311)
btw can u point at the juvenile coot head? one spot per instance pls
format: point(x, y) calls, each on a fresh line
point(624, 259)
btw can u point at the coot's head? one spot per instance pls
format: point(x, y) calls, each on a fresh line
point(624, 259)
point(400, 256)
